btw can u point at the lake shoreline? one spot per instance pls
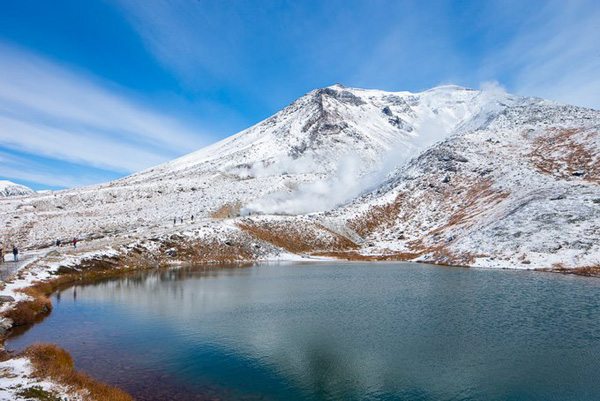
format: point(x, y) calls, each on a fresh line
point(35, 306)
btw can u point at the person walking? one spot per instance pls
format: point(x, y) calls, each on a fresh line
point(174, 220)
point(192, 218)
point(1, 255)
point(16, 253)
point(74, 242)
point(57, 242)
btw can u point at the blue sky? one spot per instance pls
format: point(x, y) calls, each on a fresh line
point(94, 90)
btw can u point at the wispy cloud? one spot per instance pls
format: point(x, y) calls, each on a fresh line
point(187, 37)
point(53, 176)
point(47, 109)
point(554, 54)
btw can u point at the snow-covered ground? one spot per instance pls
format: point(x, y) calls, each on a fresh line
point(480, 178)
point(8, 188)
point(450, 175)
point(15, 375)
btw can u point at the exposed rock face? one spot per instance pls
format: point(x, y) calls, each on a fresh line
point(480, 178)
point(504, 194)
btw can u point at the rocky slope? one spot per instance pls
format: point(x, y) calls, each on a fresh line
point(9, 188)
point(519, 191)
point(451, 175)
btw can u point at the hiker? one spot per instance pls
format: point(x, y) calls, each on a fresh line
point(74, 242)
point(1, 255)
point(174, 220)
point(192, 217)
point(16, 253)
point(57, 242)
point(181, 218)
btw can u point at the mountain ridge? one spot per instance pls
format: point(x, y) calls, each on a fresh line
point(336, 154)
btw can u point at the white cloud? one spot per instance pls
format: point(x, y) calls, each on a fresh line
point(187, 37)
point(18, 168)
point(45, 109)
point(555, 55)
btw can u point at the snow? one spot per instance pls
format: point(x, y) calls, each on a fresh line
point(336, 153)
point(8, 188)
point(16, 376)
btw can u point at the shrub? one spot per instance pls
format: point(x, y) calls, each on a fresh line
point(49, 361)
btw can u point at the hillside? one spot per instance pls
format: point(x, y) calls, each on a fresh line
point(450, 174)
point(9, 188)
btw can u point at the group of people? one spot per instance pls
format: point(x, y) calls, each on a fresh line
point(15, 252)
point(181, 220)
point(74, 242)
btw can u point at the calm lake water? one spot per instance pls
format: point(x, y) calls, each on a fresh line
point(334, 331)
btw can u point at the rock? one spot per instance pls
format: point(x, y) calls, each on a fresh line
point(526, 262)
point(171, 252)
point(53, 253)
point(6, 298)
point(228, 243)
point(65, 270)
point(5, 325)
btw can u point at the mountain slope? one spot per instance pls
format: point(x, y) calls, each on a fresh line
point(449, 175)
point(521, 190)
point(326, 134)
point(9, 188)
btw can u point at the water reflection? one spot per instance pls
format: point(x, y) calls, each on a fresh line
point(347, 331)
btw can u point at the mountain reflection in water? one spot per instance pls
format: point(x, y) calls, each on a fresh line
point(334, 331)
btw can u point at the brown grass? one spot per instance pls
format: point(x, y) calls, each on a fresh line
point(561, 152)
point(588, 271)
point(52, 362)
point(33, 310)
point(377, 218)
point(298, 237)
point(227, 211)
point(28, 312)
point(235, 249)
point(355, 256)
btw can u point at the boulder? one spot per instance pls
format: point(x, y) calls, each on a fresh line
point(6, 298)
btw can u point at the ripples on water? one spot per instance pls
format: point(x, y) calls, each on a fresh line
point(336, 331)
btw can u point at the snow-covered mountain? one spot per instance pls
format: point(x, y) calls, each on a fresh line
point(9, 188)
point(450, 174)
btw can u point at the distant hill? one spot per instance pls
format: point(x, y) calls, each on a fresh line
point(9, 188)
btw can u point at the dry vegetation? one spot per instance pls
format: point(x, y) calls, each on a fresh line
point(298, 238)
point(377, 218)
point(588, 271)
point(355, 256)
point(564, 153)
point(53, 363)
point(227, 211)
point(39, 305)
point(236, 249)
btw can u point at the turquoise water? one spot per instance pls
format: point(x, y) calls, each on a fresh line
point(334, 331)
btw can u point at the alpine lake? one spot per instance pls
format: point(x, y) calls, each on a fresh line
point(333, 331)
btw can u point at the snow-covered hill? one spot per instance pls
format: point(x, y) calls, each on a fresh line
point(450, 174)
point(520, 191)
point(9, 188)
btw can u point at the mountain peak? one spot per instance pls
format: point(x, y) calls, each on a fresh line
point(9, 188)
